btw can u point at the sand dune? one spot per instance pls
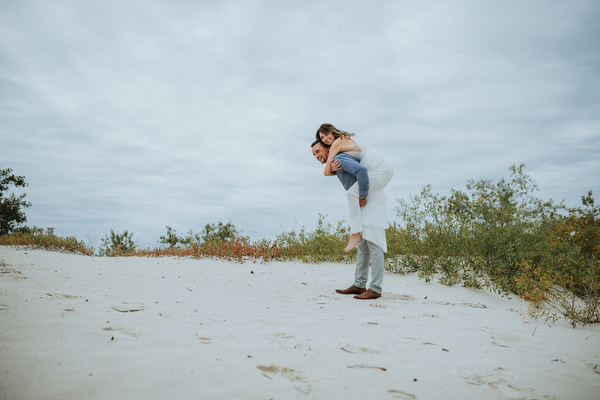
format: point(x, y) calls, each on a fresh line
point(77, 327)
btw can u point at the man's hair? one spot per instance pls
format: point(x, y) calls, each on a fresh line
point(317, 142)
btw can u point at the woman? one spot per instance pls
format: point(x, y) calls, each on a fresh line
point(380, 170)
point(338, 142)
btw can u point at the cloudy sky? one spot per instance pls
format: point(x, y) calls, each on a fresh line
point(134, 115)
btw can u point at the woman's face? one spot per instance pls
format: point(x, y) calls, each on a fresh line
point(327, 138)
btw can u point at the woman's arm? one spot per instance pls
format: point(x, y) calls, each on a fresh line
point(333, 151)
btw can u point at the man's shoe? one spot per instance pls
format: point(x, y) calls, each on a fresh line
point(352, 290)
point(368, 295)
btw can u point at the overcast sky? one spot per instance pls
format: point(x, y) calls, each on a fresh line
point(134, 115)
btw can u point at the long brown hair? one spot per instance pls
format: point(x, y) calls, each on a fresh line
point(329, 128)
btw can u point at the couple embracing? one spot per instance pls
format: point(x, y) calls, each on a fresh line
point(364, 172)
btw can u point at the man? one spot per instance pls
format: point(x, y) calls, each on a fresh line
point(373, 207)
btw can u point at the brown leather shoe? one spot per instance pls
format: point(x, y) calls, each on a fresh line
point(352, 290)
point(368, 295)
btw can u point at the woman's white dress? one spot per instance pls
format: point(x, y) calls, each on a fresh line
point(370, 220)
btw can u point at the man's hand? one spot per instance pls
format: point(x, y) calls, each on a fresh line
point(362, 201)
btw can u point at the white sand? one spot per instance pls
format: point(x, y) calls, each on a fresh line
point(209, 329)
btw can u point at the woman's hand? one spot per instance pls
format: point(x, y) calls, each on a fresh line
point(336, 165)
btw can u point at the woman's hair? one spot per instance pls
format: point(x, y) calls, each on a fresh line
point(328, 128)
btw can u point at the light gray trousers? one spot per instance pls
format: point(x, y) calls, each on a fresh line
point(368, 251)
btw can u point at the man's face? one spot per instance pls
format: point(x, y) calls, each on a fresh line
point(321, 153)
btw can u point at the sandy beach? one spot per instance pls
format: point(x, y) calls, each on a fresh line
point(78, 327)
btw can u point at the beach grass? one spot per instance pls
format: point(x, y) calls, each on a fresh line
point(34, 238)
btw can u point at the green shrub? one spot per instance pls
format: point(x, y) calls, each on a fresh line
point(117, 244)
point(11, 213)
point(223, 241)
point(325, 244)
point(37, 238)
point(500, 236)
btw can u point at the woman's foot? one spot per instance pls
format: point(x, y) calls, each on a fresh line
point(355, 238)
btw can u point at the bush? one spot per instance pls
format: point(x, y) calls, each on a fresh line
point(11, 214)
point(117, 245)
point(224, 241)
point(580, 228)
point(323, 245)
point(37, 238)
point(212, 233)
point(502, 237)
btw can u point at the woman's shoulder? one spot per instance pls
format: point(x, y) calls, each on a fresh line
point(345, 144)
point(362, 145)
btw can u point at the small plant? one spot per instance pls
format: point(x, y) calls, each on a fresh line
point(173, 240)
point(117, 245)
point(220, 232)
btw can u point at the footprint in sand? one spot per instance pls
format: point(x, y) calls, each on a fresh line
point(401, 395)
point(62, 296)
point(402, 297)
point(300, 383)
point(356, 350)
point(126, 307)
point(122, 330)
point(205, 340)
point(10, 272)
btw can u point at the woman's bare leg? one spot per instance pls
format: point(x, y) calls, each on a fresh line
point(355, 238)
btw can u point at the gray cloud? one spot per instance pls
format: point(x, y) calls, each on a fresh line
point(138, 115)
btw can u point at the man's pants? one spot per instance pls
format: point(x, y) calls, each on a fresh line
point(367, 251)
